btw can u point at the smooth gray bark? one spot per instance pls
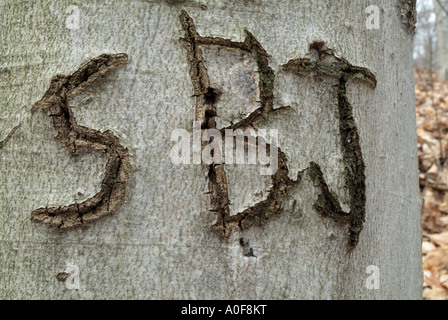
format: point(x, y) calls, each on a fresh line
point(158, 243)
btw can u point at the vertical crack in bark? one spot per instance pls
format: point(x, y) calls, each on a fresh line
point(327, 204)
point(56, 101)
point(206, 113)
point(10, 134)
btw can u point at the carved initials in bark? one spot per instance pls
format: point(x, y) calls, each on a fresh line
point(56, 102)
point(326, 64)
point(206, 113)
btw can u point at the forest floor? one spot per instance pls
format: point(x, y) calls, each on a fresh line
point(432, 139)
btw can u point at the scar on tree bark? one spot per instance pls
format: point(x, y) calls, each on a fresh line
point(326, 64)
point(56, 102)
point(205, 113)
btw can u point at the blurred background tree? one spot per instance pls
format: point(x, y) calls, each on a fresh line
point(431, 76)
point(431, 39)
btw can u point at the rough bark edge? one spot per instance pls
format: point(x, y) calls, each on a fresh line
point(206, 98)
point(56, 101)
point(328, 64)
point(408, 14)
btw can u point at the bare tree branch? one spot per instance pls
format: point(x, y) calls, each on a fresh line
point(443, 8)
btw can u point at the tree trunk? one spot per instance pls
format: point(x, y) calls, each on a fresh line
point(440, 8)
point(104, 211)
